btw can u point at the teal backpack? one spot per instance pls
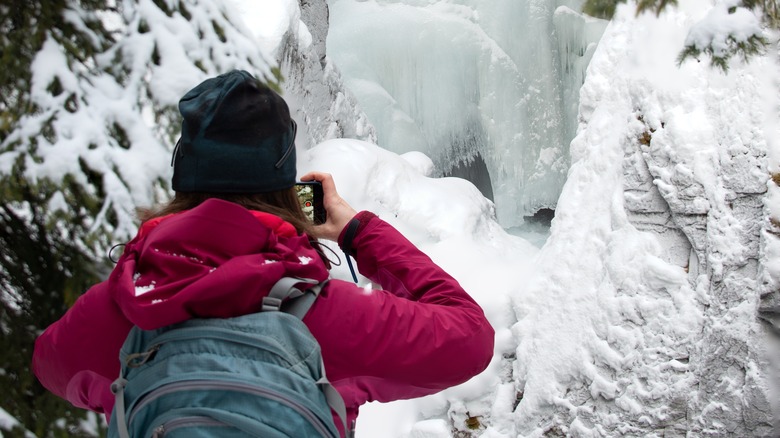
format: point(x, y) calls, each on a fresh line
point(258, 375)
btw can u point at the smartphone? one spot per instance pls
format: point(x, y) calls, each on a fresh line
point(310, 196)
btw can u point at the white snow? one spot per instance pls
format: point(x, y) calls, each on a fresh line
point(603, 318)
point(594, 330)
point(305, 260)
point(9, 422)
point(122, 128)
point(270, 21)
point(726, 19)
point(140, 290)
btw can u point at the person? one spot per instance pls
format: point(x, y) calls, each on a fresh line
point(233, 228)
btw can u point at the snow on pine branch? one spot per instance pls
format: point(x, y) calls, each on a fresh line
point(102, 120)
point(731, 28)
point(728, 29)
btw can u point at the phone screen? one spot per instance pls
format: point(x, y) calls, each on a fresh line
point(310, 196)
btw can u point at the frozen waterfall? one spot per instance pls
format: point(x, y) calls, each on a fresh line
point(488, 89)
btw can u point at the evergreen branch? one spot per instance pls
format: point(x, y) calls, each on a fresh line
point(604, 9)
point(754, 45)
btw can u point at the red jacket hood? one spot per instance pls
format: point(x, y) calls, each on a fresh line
point(216, 260)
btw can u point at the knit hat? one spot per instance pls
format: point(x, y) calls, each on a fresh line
point(236, 137)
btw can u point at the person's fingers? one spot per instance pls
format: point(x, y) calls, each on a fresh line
point(308, 177)
point(326, 179)
point(339, 212)
point(316, 176)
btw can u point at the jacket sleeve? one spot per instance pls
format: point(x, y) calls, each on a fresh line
point(421, 334)
point(77, 357)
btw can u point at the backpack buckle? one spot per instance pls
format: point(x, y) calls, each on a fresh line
point(271, 304)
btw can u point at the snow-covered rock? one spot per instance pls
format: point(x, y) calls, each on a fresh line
point(644, 318)
point(313, 86)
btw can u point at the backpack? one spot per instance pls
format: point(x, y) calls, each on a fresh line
point(257, 375)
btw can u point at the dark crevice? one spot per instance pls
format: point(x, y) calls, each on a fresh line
point(474, 170)
point(543, 216)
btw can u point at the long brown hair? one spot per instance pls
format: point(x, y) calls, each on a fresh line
point(282, 203)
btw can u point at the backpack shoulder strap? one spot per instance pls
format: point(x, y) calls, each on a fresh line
point(301, 305)
point(298, 304)
point(286, 297)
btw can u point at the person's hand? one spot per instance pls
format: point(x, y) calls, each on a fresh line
point(338, 211)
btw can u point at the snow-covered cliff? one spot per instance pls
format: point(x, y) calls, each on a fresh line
point(648, 312)
point(643, 315)
point(660, 251)
point(295, 32)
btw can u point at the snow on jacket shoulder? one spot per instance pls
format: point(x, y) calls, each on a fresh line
point(421, 334)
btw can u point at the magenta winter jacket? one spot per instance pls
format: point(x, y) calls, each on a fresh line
point(419, 335)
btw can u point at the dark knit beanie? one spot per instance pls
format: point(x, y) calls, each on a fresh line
point(236, 137)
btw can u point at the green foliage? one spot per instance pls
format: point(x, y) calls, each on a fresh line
point(24, 26)
point(276, 84)
point(163, 6)
point(54, 231)
point(769, 8)
point(185, 12)
point(44, 265)
point(219, 31)
point(46, 270)
point(604, 9)
point(656, 6)
point(754, 45)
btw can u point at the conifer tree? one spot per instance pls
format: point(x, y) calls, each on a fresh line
point(88, 94)
point(743, 37)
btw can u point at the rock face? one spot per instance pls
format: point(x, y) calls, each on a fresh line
point(694, 222)
point(695, 175)
point(662, 250)
point(313, 86)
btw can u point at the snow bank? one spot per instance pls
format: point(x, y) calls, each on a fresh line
point(455, 225)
